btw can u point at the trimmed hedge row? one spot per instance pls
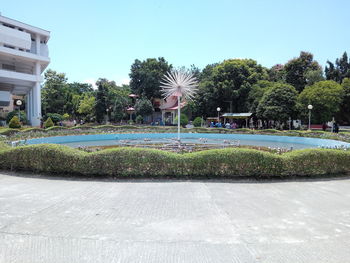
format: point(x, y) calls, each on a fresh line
point(137, 162)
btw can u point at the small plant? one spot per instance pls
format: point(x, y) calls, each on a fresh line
point(197, 122)
point(55, 117)
point(15, 123)
point(183, 120)
point(66, 116)
point(22, 114)
point(139, 119)
point(48, 123)
point(130, 122)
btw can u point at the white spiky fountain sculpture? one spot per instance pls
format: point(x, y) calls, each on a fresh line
point(179, 84)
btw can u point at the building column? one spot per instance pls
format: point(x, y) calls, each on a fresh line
point(37, 44)
point(36, 97)
point(28, 103)
point(36, 105)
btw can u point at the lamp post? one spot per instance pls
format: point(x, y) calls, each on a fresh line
point(310, 108)
point(218, 109)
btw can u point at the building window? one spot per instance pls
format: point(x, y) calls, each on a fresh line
point(9, 67)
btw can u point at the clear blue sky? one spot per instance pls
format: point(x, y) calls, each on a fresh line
point(92, 39)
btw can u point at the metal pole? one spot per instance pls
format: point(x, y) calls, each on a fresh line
point(178, 117)
point(310, 120)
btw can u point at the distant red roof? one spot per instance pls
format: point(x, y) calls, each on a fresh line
point(171, 104)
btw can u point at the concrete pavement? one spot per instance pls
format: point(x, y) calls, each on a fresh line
point(53, 220)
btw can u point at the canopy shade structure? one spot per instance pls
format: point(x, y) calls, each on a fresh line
point(237, 115)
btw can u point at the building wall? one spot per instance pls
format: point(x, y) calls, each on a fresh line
point(23, 57)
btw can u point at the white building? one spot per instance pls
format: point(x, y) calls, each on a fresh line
point(23, 57)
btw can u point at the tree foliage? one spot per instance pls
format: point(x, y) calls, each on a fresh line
point(278, 103)
point(228, 83)
point(325, 97)
point(344, 113)
point(145, 76)
point(143, 107)
point(87, 107)
point(296, 69)
point(54, 92)
point(339, 70)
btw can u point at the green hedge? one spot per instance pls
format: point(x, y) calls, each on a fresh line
point(136, 162)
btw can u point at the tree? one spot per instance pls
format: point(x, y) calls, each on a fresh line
point(325, 97)
point(278, 103)
point(87, 107)
point(59, 96)
point(145, 76)
point(256, 93)
point(227, 85)
point(101, 102)
point(277, 73)
point(313, 76)
point(143, 107)
point(340, 70)
point(54, 92)
point(344, 113)
point(296, 69)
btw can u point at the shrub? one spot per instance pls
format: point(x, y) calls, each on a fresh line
point(14, 123)
point(230, 162)
point(183, 120)
point(55, 117)
point(310, 162)
point(65, 116)
point(48, 123)
point(139, 119)
point(197, 122)
point(23, 116)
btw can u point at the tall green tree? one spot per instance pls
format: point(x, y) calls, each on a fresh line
point(325, 97)
point(227, 85)
point(344, 114)
point(313, 76)
point(87, 107)
point(277, 73)
point(256, 93)
point(339, 70)
point(143, 107)
point(278, 103)
point(145, 76)
point(101, 102)
point(111, 100)
point(296, 69)
point(54, 92)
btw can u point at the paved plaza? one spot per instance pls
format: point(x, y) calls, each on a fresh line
point(58, 220)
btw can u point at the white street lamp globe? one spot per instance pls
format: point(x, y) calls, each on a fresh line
point(218, 109)
point(310, 107)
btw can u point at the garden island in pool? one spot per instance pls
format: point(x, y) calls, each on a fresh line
point(284, 142)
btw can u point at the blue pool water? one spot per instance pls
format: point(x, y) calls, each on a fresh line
point(285, 142)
